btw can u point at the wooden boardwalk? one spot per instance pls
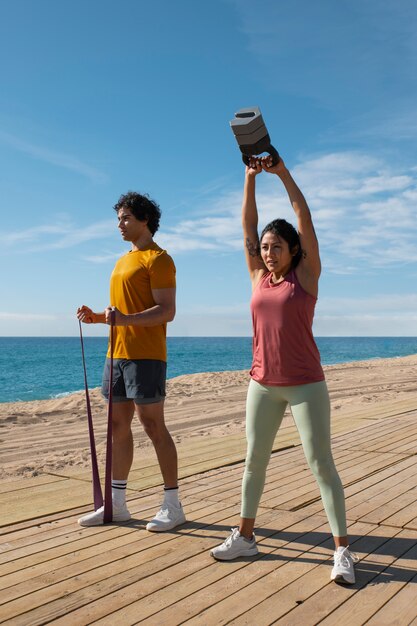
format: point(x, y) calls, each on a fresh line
point(53, 571)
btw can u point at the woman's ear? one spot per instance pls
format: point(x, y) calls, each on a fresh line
point(295, 250)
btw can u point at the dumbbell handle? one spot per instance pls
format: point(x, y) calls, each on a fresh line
point(271, 151)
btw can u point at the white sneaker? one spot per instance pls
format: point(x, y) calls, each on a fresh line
point(96, 518)
point(167, 518)
point(343, 571)
point(234, 546)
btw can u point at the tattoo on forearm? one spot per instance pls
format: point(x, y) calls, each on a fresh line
point(304, 254)
point(252, 247)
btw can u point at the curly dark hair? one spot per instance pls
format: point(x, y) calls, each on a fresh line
point(285, 230)
point(142, 207)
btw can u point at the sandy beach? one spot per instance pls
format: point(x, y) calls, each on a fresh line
point(52, 435)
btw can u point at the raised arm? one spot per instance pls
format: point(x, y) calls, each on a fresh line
point(254, 261)
point(309, 267)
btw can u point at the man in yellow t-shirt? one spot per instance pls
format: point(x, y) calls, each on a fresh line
point(142, 294)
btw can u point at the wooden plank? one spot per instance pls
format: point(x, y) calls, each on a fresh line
point(43, 499)
point(406, 436)
point(394, 487)
point(32, 536)
point(370, 484)
point(190, 457)
point(400, 610)
point(380, 411)
point(376, 409)
point(26, 533)
point(150, 474)
point(56, 533)
point(286, 436)
point(396, 512)
point(304, 487)
point(11, 486)
point(42, 557)
point(46, 529)
point(405, 444)
point(188, 453)
point(55, 575)
point(64, 597)
point(356, 492)
point(246, 584)
point(284, 469)
point(47, 573)
point(412, 524)
point(89, 612)
point(78, 538)
point(27, 525)
point(406, 447)
point(374, 428)
point(306, 497)
point(57, 547)
point(88, 543)
point(376, 434)
point(391, 579)
point(176, 592)
point(89, 557)
point(320, 600)
point(359, 488)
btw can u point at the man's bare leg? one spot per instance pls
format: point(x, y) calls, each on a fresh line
point(171, 513)
point(122, 457)
point(152, 418)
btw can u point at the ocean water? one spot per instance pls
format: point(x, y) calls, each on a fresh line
point(35, 368)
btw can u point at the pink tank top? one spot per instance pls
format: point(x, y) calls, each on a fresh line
point(284, 350)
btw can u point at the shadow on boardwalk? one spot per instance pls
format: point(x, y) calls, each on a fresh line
point(53, 571)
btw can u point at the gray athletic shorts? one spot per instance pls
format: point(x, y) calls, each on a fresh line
point(141, 380)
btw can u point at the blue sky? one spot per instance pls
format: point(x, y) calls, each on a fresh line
point(101, 97)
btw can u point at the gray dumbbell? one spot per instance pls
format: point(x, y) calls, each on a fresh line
point(251, 134)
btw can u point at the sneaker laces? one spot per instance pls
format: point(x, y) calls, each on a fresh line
point(162, 511)
point(233, 534)
point(342, 557)
point(166, 508)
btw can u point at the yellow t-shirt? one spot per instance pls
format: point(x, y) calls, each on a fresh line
point(133, 278)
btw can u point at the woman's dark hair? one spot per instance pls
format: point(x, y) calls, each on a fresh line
point(285, 230)
point(142, 207)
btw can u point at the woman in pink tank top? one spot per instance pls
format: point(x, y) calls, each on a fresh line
point(284, 267)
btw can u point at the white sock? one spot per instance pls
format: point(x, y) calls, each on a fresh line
point(118, 492)
point(171, 496)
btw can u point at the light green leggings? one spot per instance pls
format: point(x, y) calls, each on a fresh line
point(310, 406)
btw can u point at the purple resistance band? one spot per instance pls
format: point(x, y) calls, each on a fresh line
point(97, 492)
